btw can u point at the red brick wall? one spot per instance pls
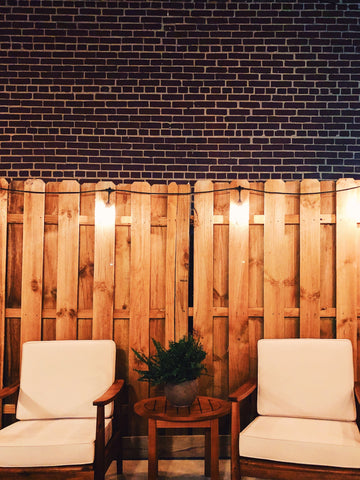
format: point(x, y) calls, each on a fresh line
point(183, 90)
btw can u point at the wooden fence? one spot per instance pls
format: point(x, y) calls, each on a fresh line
point(132, 262)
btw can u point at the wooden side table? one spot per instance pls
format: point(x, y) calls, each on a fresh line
point(203, 413)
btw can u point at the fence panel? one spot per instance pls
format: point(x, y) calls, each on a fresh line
point(104, 261)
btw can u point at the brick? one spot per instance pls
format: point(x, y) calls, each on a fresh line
point(222, 84)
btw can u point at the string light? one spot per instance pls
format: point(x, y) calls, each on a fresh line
point(239, 188)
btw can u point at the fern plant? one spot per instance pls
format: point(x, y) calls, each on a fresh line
point(180, 362)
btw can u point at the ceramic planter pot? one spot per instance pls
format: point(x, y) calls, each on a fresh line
point(182, 394)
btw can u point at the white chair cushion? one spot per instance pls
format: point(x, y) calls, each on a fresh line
point(62, 378)
point(36, 443)
point(299, 440)
point(308, 378)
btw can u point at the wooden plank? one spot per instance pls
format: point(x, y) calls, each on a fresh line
point(50, 260)
point(221, 291)
point(139, 328)
point(221, 357)
point(122, 281)
point(347, 208)
point(310, 259)
point(158, 248)
point(104, 259)
point(14, 254)
point(33, 255)
point(291, 260)
point(121, 338)
point(11, 365)
point(256, 275)
point(170, 283)
point(327, 259)
point(3, 254)
point(239, 351)
point(221, 246)
point(68, 261)
point(182, 262)
point(86, 261)
point(274, 268)
point(122, 248)
point(204, 275)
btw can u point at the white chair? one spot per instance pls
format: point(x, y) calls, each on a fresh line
point(306, 424)
point(67, 425)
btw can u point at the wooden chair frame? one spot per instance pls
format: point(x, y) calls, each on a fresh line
point(104, 454)
point(253, 467)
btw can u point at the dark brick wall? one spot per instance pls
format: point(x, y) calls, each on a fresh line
point(179, 90)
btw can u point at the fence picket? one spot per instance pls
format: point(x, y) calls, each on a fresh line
point(346, 262)
point(239, 349)
point(50, 261)
point(104, 259)
point(68, 262)
point(3, 250)
point(170, 284)
point(327, 259)
point(310, 249)
point(182, 255)
point(33, 254)
point(274, 268)
point(203, 274)
point(86, 260)
point(256, 272)
point(139, 327)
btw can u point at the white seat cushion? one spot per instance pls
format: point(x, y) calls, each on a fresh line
point(35, 443)
point(301, 440)
point(307, 378)
point(62, 378)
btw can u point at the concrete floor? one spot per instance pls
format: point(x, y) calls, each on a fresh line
point(172, 469)
point(169, 469)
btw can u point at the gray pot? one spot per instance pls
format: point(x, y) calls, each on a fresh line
point(182, 394)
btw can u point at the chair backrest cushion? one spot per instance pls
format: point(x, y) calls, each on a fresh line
point(62, 378)
point(308, 378)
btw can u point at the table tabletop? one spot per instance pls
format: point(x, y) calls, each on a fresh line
point(203, 408)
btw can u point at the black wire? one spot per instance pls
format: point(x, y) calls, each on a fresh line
point(239, 188)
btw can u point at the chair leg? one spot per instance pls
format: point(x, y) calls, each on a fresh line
point(235, 431)
point(119, 466)
point(99, 475)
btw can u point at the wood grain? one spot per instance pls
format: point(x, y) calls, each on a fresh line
point(139, 328)
point(274, 261)
point(68, 261)
point(204, 274)
point(310, 249)
point(347, 214)
point(239, 350)
point(33, 255)
point(104, 259)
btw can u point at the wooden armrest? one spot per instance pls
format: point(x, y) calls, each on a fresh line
point(243, 391)
point(110, 395)
point(7, 391)
point(357, 391)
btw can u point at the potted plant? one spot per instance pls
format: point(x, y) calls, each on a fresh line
point(177, 368)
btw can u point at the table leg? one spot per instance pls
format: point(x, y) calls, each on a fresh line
point(207, 462)
point(214, 442)
point(152, 451)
